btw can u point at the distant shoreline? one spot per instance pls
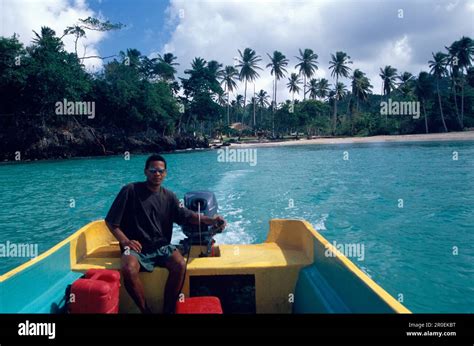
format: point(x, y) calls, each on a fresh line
point(450, 136)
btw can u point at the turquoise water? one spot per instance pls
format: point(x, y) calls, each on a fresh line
point(408, 251)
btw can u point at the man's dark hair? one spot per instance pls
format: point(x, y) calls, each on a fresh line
point(154, 157)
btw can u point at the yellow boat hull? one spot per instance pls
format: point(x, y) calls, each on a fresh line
point(287, 273)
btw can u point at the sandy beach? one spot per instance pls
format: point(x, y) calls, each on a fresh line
point(450, 136)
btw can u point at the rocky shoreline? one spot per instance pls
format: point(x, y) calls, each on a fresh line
point(46, 143)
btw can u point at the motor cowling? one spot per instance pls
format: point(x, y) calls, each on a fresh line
point(204, 202)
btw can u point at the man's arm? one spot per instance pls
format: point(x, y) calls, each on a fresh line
point(217, 221)
point(114, 219)
point(122, 238)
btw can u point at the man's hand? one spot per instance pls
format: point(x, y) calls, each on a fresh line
point(132, 244)
point(219, 223)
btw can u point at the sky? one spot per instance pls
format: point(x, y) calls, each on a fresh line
point(374, 33)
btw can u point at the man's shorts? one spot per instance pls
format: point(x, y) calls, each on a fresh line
point(150, 260)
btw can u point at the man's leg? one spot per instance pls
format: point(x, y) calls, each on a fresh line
point(176, 266)
point(130, 269)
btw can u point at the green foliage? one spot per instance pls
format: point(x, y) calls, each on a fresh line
point(134, 92)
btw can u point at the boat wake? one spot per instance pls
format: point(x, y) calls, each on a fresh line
point(237, 226)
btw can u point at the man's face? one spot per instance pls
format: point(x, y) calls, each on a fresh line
point(155, 173)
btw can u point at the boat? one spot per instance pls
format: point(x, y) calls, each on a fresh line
point(288, 273)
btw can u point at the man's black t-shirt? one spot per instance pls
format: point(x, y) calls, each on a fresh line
point(147, 216)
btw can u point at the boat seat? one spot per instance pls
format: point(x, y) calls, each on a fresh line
point(105, 257)
point(231, 257)
point(266, 264)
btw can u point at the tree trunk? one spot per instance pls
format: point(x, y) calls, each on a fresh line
point(456, 106)
point(75, 44)
point(351, 116)
point(334, 116)
point(304, 87)
point(245, 100)
point(441, 106)
point(276, 88)
point(462, 103)
point(274, 106)
point(187, 123)
point(424, 112)
point(179, 123)
point(254, 119)
point(228, 108)
point(456, 103)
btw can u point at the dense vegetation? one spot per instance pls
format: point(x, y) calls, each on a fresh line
point(135, 94)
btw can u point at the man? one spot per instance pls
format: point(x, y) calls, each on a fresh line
point(141, 218)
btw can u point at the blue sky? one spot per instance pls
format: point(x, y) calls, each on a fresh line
point(145, 25)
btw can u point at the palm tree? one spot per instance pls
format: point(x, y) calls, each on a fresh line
point(293, 86)
point(248, 69)
point(221, 98)
point(262, 101)
point(168, 58)
point(307, 66)
point(337, 93)
point(438, 70)
point(197, 66)
point(229, 76)
point(239, 100)
point(361, 87)
point(406, 83)
point(313, 88)
point(452, 61)
point(47, 39)
point(423, 90)
point(198, 69)
point(213, 75)
point(215, 69)
point(465, 57)
point(338, 65)
point(168, 61)
point(460, 55)
point(278, 62)
point(323, 88)
point(340, 91)
point(132, 55)
point(389, 76)
point(238, 103)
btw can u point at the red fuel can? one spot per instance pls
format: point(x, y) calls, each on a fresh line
point(96, 293)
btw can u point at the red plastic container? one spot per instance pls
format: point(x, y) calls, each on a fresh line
point(96, 293)
point(199, 305)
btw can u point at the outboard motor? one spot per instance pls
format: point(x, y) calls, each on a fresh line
point(204, 202)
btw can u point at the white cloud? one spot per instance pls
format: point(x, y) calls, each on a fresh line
point(452, 5)
point(24, 16)
point(369, 31)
